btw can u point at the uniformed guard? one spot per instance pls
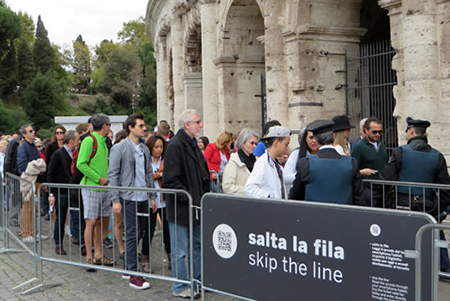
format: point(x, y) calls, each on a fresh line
point(418, 162)
point(327, 177)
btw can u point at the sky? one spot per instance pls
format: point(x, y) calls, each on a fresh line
point(95, 20)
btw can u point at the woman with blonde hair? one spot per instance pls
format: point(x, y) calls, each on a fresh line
point(217, 155)
point(341, 131)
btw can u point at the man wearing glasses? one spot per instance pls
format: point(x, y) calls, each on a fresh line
point(372, 156)
point(370, 151)
point(185, 168)
point(27, 152)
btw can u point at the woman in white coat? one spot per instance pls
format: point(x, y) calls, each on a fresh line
point(238, 169)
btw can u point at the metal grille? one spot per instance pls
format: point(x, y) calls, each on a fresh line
point(369, 82)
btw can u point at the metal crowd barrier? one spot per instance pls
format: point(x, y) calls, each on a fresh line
point(19, 216)
point(45, 251)
point(386, 194)
point(215, 185)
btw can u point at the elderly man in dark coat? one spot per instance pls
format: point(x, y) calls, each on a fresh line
point(185, 168)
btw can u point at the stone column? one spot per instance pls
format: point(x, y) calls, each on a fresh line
point(276, 83)
point(211, 120)
point(162, 80)
point(177, 67)
point(193, 91)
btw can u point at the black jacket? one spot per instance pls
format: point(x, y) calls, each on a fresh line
point(59, 169)
point(182, 170)
point(10, 164)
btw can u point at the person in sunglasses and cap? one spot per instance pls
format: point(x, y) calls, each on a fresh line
point(327, 177)
point(418, 162)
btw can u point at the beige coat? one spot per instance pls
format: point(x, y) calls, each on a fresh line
point(235, 176)
point(34, 168)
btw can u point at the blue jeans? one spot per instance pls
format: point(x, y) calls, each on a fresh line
point(179, 238)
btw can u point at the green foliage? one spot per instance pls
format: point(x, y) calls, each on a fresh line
point(28, 28)
point(45, 133)
point(11, 118)
point(133, 33)
point(26, 69)
point(81, 64)
point(8, 72)
point(103, 52)
point(9, 30)
point(44, 55)
point(120, 76)
point(43, 99)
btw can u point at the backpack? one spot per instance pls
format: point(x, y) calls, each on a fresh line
point(77, 174)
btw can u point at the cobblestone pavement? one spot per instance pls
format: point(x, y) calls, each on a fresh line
point(77, 283)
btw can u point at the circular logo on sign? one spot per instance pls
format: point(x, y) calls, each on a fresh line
point(224, 241)
point(375, 230)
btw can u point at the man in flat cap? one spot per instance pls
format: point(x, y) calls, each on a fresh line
point(418, 162)
point(327, 177)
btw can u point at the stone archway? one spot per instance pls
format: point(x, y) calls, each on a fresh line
point(240, 65)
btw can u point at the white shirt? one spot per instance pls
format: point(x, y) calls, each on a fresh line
point(264, 181)
point(290, 168)
point(155, 167)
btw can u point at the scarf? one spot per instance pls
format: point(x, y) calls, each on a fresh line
point(249, 161)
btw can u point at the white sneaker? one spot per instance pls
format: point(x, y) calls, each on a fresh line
point(67, 230)
point(139, 283)
point(42, 237)
point(185, 294)
point(29, 239)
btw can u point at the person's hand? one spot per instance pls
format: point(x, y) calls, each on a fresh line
point(368, 172)
point(44, 188)
point(154, 206)
point(51, 200)
point(103, 181)
point(117, 208)
point(214, 176)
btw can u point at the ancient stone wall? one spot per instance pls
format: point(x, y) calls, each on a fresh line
point(211, 55)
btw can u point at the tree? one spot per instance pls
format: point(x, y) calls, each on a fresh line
point(81, 63)
point(120, 76)
point(11, 118)
point(43, 99)
point(28, 28)
point(133, 33)
point(44, 55)
point(9, 30)
point(103, 52)
point(8, 72)
point(26, 69)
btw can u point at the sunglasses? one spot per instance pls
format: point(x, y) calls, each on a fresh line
point(142, 125)
point(31, 131)
point(254, 143)
point(377, 132)
point(59, 132)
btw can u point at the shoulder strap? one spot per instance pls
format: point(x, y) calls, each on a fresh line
point(94, 151)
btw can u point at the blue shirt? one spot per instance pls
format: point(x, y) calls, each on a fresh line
point(260, 149)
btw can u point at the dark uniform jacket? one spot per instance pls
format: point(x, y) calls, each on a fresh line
point(303, 177)
point(182, 170)
point(391, 171)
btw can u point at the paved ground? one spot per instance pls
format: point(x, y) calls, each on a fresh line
point(78, 284)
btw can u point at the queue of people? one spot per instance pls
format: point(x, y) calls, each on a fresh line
point(326, 167)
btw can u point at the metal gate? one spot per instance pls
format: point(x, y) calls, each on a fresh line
point(369, 82)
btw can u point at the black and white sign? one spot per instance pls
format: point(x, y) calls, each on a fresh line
point(274, 250)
